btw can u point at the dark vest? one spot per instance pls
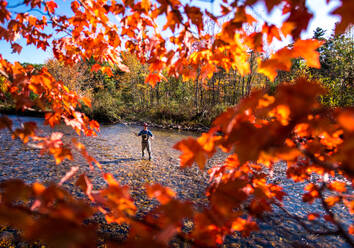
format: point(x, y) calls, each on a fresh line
point(145, 138)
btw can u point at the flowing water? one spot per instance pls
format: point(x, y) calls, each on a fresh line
point(119, 151)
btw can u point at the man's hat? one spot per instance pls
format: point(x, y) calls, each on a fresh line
point(145, 124)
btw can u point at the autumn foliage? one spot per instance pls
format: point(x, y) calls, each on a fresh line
point(263, 129)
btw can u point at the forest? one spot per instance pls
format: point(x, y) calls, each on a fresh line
point(270, 166)
point(124, 96)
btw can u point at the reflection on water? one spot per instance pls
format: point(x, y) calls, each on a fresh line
point(119, 151)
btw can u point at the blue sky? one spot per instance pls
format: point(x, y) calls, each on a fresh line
point(319, 7)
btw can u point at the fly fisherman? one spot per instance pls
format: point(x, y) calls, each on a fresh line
point(145, 140)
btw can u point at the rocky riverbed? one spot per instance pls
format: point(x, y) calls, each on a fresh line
point(119, 152)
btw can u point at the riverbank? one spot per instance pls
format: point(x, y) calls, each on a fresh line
point(138, 121)
point(195, 128)
point(11, 110)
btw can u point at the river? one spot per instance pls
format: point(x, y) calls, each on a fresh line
point(119, 152)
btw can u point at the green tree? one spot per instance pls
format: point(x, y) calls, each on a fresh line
point(336, 73)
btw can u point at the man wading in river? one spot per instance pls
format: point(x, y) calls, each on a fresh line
point(145, 140)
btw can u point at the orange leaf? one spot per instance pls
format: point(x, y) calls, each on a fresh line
point(196, 150)
point(173, 20)
point(86, 186)
point(38, 188)
point(345, 11)
point(281, 113)
point(287, 28)
point(313, 216)
point(238, 224)
point(299, 15)
point(281, 60)
point(307, 50)
point(265, 101)
point(337, 186)
point(16, 48)
point(162, 194)
point(328, 218)
point(331, 200)
point(346, 120)
point(107, 70)
point(195, 15)
point(108, 177)
point(52, 119)
point(272, 32)
point(228, 196)
point(145, 4)
point(153, 79)
point(60, 154)
point(351, 229)
point(32, 20)
point(350, 205)
point(51, 6)
point(191, 151)
point(96, 67)
point(270, 4)
point(27, 131)
point(5, 122)
point(86, 101)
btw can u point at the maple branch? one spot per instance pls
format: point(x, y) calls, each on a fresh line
point(336, 222)
point(37, 10)
point(94, 15)
point(53, 19)
point(179, 235)
point(324, 164)
point(340, 230)
point(105, 24)
point(304, 225)
point(176, 11)
point(346, 196)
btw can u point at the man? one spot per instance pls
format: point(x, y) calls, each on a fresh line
point(145, 140)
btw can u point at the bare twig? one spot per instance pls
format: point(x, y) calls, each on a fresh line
point(35, 10)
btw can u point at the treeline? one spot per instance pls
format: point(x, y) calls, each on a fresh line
point(170, 102)
point(126, 96)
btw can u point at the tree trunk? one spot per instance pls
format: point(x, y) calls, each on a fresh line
point(158, 94)
point(197, 93)
point(201, 96)
point(235, 90)
point(251, 75)
point(213, 87)
point(243, 87)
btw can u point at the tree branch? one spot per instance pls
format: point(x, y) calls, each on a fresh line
point(52, 18)
point(304, 225)
point(324, 164)
point(341, 231)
